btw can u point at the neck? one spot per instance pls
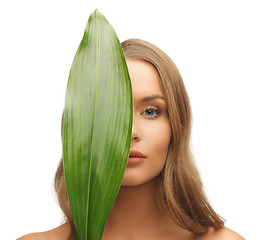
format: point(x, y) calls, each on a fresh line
point(135, 210)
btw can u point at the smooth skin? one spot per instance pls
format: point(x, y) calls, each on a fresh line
point(135, 215)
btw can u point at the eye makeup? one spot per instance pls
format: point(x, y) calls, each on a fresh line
point(152, 112)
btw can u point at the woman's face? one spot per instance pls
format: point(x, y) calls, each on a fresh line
point(151, 132)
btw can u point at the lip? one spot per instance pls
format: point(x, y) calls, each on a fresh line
point(135, 157)
point(136, 153)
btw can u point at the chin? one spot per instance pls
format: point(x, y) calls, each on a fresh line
point(132, 182)
point(137, 179)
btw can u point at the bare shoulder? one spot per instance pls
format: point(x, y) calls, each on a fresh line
point(60, 233)
point(31, 236)
point(221, 234)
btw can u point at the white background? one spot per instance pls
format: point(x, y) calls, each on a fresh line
point(215, 45)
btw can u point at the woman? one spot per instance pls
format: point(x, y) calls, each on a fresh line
point(161, 196)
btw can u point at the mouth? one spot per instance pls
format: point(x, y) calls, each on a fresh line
point(135, 157)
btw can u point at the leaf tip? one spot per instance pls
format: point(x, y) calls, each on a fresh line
point(98, 14)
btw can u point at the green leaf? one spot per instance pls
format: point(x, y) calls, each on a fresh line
point(97, 127)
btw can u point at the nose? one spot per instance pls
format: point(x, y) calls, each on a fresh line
point(135, 131)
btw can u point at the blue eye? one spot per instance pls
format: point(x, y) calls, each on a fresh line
point(149, 112)
point(152, 112)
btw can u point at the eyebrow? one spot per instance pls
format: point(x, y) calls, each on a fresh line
point(146, 99)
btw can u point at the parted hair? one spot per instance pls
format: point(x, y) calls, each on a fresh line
point(180, 193)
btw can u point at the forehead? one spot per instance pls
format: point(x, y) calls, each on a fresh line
point(144, 78)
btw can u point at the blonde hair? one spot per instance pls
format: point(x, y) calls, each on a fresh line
point(180, 191)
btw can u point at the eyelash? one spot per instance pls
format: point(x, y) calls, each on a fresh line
point(157, 111)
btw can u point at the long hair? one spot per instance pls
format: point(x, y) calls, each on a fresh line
point(180, 193)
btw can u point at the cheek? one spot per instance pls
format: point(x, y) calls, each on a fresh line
point(155, 140)
point(160, 147)
point(158, 138)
